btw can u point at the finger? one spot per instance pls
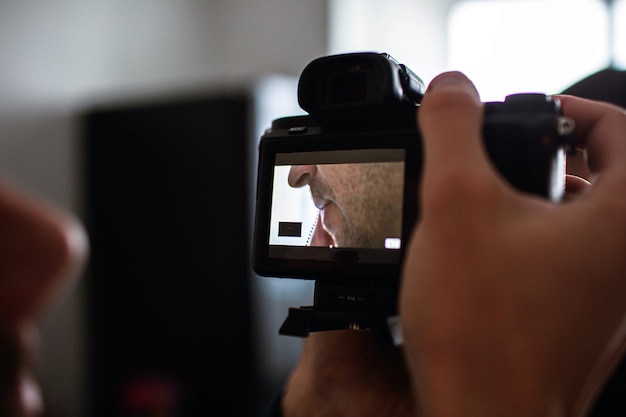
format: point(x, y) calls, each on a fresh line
point(450, 119)
point(600, 129)
point(19, 392)
point(577, 164)
point(455, 161)
point(44, 250)
point(575, 186)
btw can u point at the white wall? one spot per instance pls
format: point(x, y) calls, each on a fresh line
point(412, 31)
point(56, 56)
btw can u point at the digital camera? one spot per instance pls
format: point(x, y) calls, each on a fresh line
point(337, 191)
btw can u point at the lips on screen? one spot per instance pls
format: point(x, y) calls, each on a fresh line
point(352, 198)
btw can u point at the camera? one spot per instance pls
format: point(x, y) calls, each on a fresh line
point(337, 188)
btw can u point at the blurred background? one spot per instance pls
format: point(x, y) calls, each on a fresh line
point(142, 116)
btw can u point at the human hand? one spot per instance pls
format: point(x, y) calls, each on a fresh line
point(513, 305)
point(41, 251)
point(347, 373)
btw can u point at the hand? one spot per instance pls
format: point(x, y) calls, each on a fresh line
point(41, 250)
point(348, 373)
point(512, 305)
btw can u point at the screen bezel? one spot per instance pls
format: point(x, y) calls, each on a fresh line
point(336, 264)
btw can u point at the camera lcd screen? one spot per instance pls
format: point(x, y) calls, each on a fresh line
point(327, 202)
point(337, 206)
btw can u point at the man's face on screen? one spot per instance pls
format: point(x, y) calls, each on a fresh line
point(360, 204)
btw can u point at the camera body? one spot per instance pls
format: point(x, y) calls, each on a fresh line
point(337, 190)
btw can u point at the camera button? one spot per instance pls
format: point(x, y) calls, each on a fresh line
point(298, 130)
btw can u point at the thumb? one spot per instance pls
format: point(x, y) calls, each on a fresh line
point(450, 120)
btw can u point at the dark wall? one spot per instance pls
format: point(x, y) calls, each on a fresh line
point(167, 209)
